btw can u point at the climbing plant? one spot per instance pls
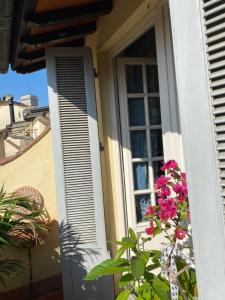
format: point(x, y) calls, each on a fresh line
point(163, 274)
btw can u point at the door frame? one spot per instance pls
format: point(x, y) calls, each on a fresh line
point(157, 16)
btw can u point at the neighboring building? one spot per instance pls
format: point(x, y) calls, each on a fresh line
point(131, 83)
point(30, 121)
point(5, 114)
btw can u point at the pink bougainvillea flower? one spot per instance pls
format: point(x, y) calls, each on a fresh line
point(162, 181)
point(150, 230)
point(183, 176)
point(188, 216)
point(180, 233)
point(168, 209)
point(170, 164)
point(150, 210)
point(164, 192)
point(181, 190)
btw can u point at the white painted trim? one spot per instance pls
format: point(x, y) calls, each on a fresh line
point(199, 148)
point(106, 56)
point(168, 95)
point(127, 156)
point(131, 28)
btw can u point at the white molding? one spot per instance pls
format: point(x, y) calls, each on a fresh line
point(168, 93)
point(131, 30)
point(109, 88)
point(199, 148)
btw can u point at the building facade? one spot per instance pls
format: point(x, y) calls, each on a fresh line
point(141, 84)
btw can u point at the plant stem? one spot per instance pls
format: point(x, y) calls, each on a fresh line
point(182, 291)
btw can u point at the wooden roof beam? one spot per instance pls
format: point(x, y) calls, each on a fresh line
point(79, 30)
point(23, 69)
point(38, 54)
point(58, 16)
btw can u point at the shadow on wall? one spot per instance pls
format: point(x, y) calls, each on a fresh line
point(77, 258)
point(26, 286)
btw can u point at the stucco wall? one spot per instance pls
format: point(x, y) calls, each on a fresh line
point(110, 29)
point(35, 168)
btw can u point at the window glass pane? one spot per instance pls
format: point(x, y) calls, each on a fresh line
point(142, 202)
point(154, 111)
point(138, 144)
point(141, 180)
point(145, 46)
point(136, 112)
point(157, 168)
point(152, 79)
point(134, 79)
point(156, 142)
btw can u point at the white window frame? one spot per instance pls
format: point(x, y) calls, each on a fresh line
point(158, 16)
point(125, 131)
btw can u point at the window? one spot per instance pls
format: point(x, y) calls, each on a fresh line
point(140, 125)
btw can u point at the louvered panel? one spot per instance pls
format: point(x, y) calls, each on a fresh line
point(76, 147)
point(78, 171)
point(214, 20)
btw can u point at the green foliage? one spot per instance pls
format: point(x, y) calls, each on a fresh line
point(10, 268)
point(187, 279)
point(137, 271)
point(124, 295)
point(21, 225)
point(108, 267)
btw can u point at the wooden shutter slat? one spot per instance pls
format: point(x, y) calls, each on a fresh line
point(214, 22)
point(215, 47)
point(214, 10)
point(215, 19)
point(78, 171)
point(209, 3)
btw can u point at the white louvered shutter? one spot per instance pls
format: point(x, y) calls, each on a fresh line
point(78, 171)
point(214, 21)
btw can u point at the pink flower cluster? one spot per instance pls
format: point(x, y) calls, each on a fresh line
point(172, 193)
point(168, 209)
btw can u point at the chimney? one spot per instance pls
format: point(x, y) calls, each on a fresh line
point(29, 100)
point(11, 110)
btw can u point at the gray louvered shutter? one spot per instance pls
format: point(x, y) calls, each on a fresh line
point(78, 171)
point(214, 21)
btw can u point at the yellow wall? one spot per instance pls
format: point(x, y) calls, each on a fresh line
point(111, 28)
point(35, 168)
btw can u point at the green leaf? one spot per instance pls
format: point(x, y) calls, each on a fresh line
point(125, 280)
point(132, 234)
point(137, 266)
point(119, 253)
point(153, 266)
point(124, 295)
point(161, 288)
point(148, 276)
point(3, 241)
point(108, 267)
point(157, 231)
point(145, 255)
point(128, 242)
point(155, 253)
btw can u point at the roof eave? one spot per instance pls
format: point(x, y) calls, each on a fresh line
point(6, 15)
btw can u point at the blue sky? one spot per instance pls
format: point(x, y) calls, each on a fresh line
point(19, 85)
